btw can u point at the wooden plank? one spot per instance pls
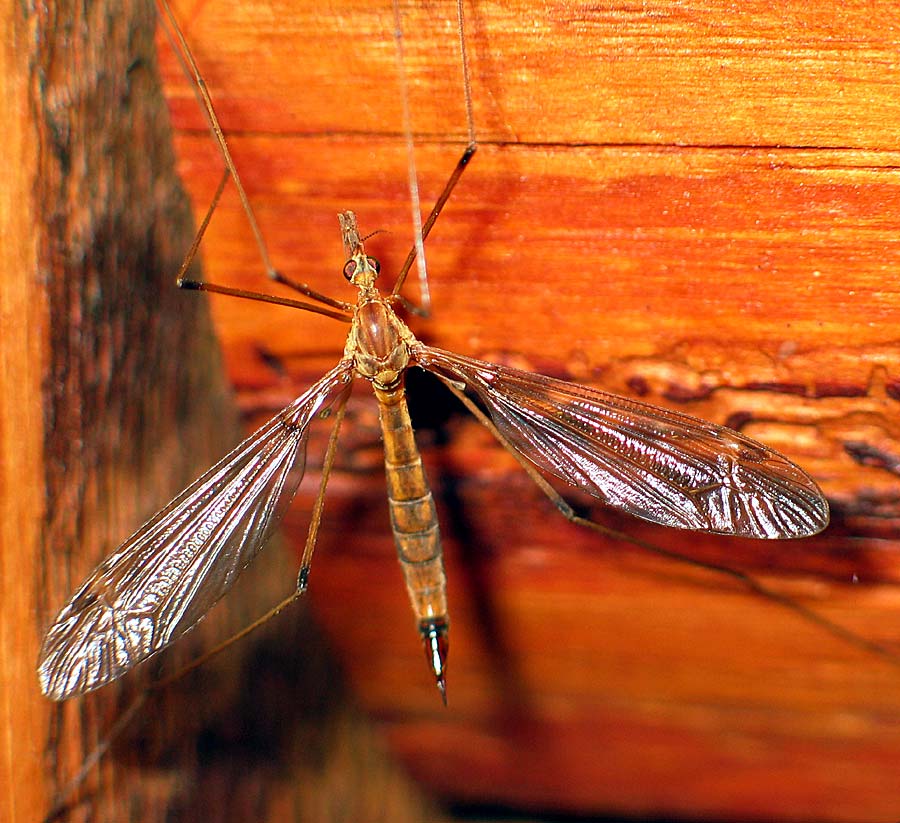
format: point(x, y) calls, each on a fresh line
point(109, 392)
point(24, 721)
point(113, 399)
point(662, 73)
point(697, 206)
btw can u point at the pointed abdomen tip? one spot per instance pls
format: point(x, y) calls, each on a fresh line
point(435, 635)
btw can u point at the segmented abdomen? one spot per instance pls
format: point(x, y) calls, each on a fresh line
point(413, 516)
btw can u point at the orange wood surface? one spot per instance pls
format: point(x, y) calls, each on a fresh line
point(695, 204)
point(22, 506)
point(97, 411)
point(113, 398)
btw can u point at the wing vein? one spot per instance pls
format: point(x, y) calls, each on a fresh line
point(165, 577)
point(659, 465)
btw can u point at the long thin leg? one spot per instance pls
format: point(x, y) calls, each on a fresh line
point(748, 581)
point(189, 64)
point(278, 277)
point(200, 285)
point(302, 578)
point(422, 231)
point(63, 800)
point(198, 238)
point(461, 165)
point(343, 309)
point(415, 203)
point(319, 505)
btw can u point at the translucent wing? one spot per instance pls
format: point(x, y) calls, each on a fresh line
point(168, 574)
point(659, 465)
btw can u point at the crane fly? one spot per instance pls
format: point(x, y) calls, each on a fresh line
point(658, 465)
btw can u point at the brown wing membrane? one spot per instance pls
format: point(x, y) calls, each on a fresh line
point(168, 574)
point(662, 466)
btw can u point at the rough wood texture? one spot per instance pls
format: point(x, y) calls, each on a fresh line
point(694, 204)
point(113, 398)
point(102, 374)
point(23, 323)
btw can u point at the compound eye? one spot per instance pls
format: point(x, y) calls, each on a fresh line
point(349, 269)
point(374, 264)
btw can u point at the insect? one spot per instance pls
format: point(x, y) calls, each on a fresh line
point(657, 465)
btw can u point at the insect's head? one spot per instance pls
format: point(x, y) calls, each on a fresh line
point(360, 269)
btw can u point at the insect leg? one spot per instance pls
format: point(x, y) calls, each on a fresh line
point(192, 70)
point(63, 801)
point(319, 504)
point(423, 230)
point(303, 575)
point(746, 580)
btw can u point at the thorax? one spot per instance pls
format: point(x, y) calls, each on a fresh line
point(379, 341)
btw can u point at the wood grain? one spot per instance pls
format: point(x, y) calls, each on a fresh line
point(102, 380)
point(697, 205)
point(24, 721)
point(113, 398)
